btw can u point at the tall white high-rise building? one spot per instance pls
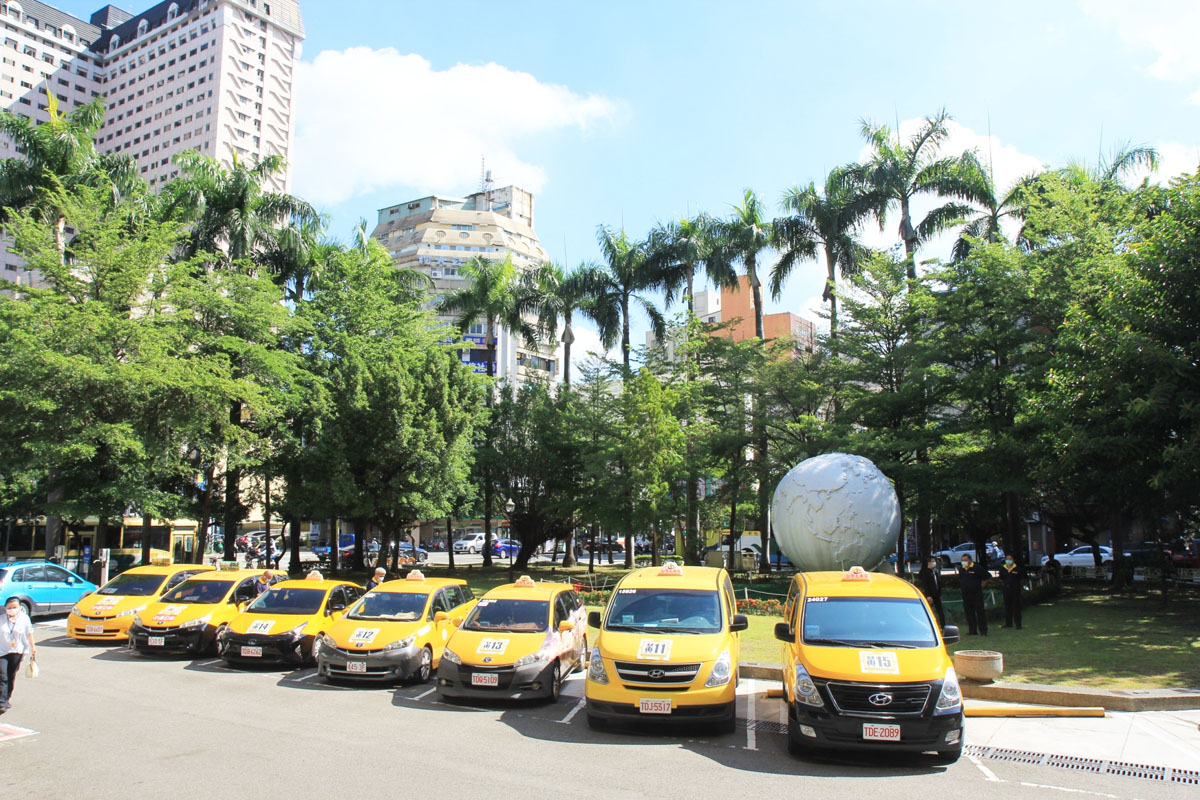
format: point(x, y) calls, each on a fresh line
point(216, 76)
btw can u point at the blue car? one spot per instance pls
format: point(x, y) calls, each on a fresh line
point(42, 587)
point(506, 548)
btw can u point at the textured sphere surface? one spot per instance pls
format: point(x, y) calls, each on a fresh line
point(836, 511)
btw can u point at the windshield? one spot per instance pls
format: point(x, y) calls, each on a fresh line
point(520, 616)
point(867, 622)
point(673, 610)
point(133, 585)
point(193, 591)
point(288, 601)
point(389, 605)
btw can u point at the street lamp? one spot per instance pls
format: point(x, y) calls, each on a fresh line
point(509, 507)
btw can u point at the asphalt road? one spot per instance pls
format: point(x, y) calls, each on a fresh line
point(110, 724)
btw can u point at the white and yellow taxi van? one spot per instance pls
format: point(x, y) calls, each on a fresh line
point(865, 667)
point(189, 617)
point(106, 614)
point(286, 623)
point(667, 650)
point(519, 641)
point(396, 631)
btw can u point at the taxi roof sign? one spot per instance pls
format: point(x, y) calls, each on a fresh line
point(415, 575)
point(525, 582)
point(856, 574)
point(671, 568)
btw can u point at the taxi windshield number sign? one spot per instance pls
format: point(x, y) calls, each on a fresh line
point(878, 661)
point(492, 646)
point(654, 649)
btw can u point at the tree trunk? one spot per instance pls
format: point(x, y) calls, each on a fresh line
point(294, 541)
point(569, 559)
point(147, 520)
point(831, 291)
point(205, 521)
point(733, 537)
point(267, 520)
point(625, 333)
point(487, 520)
point(450, 541)
point(568, 338)
point(655, 538)
point(592, 550)
point(360, 536)
point(233, 493)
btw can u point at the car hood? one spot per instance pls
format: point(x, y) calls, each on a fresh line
point(873, 665)
point(496, 648)
point(276, 624)
point(159, 614)
point(363, 634)
point(110, 605)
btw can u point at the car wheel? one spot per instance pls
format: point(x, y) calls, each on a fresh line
point(215, 645)
point(1106, 563)
point(425, 667)
point(314, 649)
point(795, 742)
point(581, 660)
point(555, 683)
point(25, 604)
point(728, 724)
point(471, 550)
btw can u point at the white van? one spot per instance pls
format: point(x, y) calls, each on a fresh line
point(470, 543)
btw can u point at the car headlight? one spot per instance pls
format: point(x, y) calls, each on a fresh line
point(129, 613)
point(806, 691)
point(722, 671)
point(451, 656)
point(198, 622)
point(327, 640)
point(533, 658)
point(596, 671)
point(951, 696)
point(75, 610)
point(407, 641)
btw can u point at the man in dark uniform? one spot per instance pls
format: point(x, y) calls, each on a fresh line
point(971, 577)
point(930, 578)
point(1012, 575)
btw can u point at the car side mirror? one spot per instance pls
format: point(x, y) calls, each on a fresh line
point(70, 581)
point(739, 623)
point(440, 616)
point(593, 619)
point(456, 621)
point(784, 632)
point(242, 605)
point(566, 625)
point(335, 607)
point(950, 634)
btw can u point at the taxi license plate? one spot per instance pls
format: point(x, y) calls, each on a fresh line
point(356, 666)
point(654, 706)
point(881, 733)
point(156, 641)
point(484, 679)
point(252, 652)
point(93, 630)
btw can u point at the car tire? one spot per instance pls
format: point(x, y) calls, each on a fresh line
point(728, 724)
point(314, 649)
point(424, 667)
point(948, 757)
point(28, 607)
point(581, 661)
point(795, 742)
point(555, 683)
point(1106, 563)
point(471, 550)
point(214, 646)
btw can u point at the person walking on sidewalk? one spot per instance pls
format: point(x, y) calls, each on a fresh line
point(930, 578)
point(971, 577)
point(1012, 576)
point(16, 642)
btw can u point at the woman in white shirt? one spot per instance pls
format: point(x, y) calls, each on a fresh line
point(16, 642)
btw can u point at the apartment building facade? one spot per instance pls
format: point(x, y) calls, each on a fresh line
point(216, 76)
point(436, 235)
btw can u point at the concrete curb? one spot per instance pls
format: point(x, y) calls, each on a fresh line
point(1045, 695)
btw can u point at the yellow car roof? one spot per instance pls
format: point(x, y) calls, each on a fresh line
point(524, 591)
point(305, 583)
point(166, 569)
point(666, 578)
point(834, 584)
point(405, 586)
point(226, 574)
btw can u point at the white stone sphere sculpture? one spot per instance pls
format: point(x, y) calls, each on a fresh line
point(835, 511)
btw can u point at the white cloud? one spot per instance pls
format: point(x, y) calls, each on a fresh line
point(1174, 159)
point(585, 347)
point(1165, 27)
point(369, 119)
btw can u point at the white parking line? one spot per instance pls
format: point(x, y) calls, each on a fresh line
point(425, 693)
point(1067, 789)
point(987, 773)
point(751, 717)
point(208, 663)
point(571, 714)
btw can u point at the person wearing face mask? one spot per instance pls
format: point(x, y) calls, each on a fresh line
point(16, 641)
point(930, 578)
point(1012, 575)
point(971, 577)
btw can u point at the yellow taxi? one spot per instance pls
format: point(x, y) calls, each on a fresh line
point(667, 650)
point(519, 641)
point(865, 667)
point(106, 614)
point(396, 631)
point(189, 617)
point(286, 623)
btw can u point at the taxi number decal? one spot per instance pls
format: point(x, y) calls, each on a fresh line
point(626, 591)
point(261, 626)
point(168, 613)
point(817, 599)
point(654, 649)
point(105, 603)
point(485, 602)
point(364, 635)
point(878, 661)
point(492, 646)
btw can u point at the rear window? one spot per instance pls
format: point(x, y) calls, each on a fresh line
point(133, 585)
point(867, 622)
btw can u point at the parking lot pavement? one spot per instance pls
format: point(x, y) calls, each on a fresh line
point(102, 722)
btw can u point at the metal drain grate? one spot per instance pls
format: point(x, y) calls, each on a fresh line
point(1149, 772)
point(763, 725)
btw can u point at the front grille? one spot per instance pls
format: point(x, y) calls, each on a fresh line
point(907, 700)
point(95, 619)
point(356, 652)
point(652, 674)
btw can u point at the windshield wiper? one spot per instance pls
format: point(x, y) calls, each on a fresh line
point(835, 642)
point(672, 629)
point(901, 645)
point(616, 626)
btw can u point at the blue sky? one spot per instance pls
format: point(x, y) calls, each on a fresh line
point(630, 113)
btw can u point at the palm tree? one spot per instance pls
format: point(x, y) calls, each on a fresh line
point(742, 239)
point(232, 215)
point(619, 284)
point(493, 293)
point(554, 294)
point(986, 225)
point(897, 172)
point(827, 220)
point(58, 154)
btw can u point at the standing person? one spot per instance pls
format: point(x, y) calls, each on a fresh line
point(16, 641)
point(380, 577)
point(971, 577)
point(1012, 576)
point(930, 578)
